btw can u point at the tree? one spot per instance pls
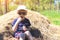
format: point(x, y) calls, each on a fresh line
point(0, 7)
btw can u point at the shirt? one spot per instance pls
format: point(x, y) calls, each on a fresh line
point(25, 22)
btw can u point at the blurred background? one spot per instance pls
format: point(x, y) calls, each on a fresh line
point(48, 8)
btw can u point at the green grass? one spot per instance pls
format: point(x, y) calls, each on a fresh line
point(52, 15)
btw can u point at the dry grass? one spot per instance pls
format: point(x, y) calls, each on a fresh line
point(37, 20)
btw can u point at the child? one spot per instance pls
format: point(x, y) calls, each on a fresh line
point(21, 25)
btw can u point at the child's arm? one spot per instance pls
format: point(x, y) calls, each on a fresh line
point(14, 28)
point(24, 28)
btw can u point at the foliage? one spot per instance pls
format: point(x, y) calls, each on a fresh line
point(36, 5)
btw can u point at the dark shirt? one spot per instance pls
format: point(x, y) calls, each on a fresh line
point(24, 22)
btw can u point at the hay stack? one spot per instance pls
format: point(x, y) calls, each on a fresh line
point(37, 20)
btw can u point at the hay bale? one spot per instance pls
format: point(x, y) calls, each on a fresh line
point(37, 20)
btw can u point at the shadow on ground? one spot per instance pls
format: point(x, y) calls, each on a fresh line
point(1, 36)
point(36, 34)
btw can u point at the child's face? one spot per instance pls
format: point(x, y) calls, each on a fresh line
point(22, 15)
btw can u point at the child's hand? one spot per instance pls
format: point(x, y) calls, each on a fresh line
point(24, 28)
point(18, 20)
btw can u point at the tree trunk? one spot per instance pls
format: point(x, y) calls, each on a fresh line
point(0, 8)
point(5, 6)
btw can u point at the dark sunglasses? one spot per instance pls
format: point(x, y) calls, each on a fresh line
point(23, 13)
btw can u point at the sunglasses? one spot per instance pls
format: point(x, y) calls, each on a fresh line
point(23, 13)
